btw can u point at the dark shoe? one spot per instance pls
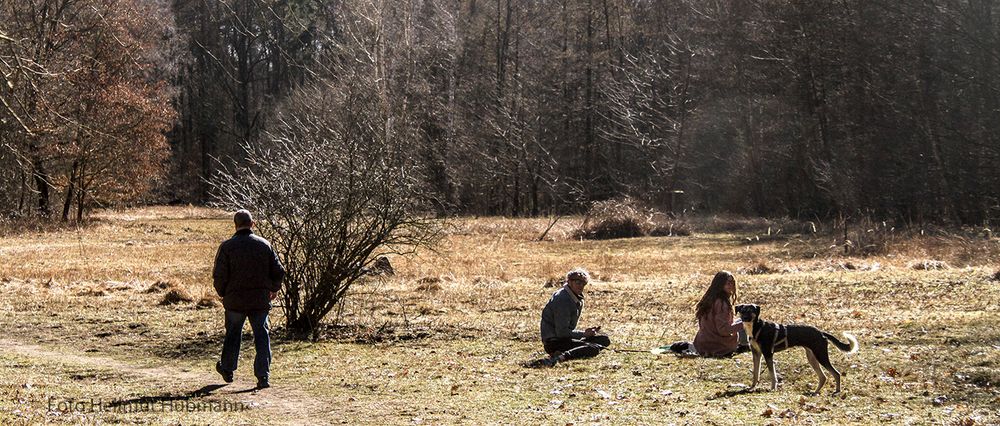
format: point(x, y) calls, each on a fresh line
point(263, 383)
point(544, 362)
point(227, 376)
point(550, 362)
point(742, 348)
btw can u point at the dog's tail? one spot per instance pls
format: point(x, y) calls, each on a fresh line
point(850, 347)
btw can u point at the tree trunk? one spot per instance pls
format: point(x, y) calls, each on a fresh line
point(70, 191)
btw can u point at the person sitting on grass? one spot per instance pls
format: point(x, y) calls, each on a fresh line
point(560, 338)
point(718, 334)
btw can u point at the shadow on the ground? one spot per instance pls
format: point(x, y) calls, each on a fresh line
point(243, 391)
point(729, 393)
point(209, 345)
point(145, 400)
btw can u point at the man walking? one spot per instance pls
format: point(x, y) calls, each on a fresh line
point(247, 275)
point(560, 338)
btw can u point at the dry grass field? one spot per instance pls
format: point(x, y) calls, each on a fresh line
point(83, 325)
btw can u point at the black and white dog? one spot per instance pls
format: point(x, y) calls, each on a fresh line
point(766, 338)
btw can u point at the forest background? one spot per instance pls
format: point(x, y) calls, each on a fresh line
point(879, 109)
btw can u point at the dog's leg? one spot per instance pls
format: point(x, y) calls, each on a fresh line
point(756, 369)
point(819, 371)
point(769, 358)
point(823, 357)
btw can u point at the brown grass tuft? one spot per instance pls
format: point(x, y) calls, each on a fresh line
point(553, 282)
point(674, 228)
point(429, 284)
point(759, 269)
point(177, 295)
point(93, 292)
point(208, 302)
point(929, 265)
point(726, 223)
point(159, 286)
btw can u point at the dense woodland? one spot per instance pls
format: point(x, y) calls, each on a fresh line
point(808, 109)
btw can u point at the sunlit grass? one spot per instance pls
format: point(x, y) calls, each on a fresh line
point(449, 353)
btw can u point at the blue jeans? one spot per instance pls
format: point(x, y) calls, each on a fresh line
point(261, 341)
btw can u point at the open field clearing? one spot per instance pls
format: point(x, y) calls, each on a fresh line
point(83, 319)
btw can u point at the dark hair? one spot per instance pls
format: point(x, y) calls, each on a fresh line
point(242, 218)
point(716, 291)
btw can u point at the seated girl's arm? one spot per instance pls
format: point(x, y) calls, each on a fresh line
point(723, 320)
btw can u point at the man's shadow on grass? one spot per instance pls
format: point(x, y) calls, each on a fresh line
point(169, 397)
point(207, 345)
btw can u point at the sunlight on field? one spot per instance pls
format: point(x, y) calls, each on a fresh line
point(441, 341)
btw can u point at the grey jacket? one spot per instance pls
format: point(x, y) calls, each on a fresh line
point(246, 271)
point(561, 314)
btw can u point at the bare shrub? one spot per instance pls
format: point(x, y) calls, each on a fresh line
point(626, 218)
point(334, 192)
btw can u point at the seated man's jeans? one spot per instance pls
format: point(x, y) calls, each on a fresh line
point(261, 341)
point(577, 348)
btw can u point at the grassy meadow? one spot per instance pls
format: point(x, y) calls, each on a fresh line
point(83, 320)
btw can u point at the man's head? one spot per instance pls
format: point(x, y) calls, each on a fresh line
point(243, 219)
point(577, 279)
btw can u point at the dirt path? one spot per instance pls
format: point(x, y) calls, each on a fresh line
point(282, 405)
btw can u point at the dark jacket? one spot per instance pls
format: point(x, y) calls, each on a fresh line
point(246, 271)
point(561, 314)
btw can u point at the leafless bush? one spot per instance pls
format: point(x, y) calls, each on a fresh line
point(335, 193)
point(336, 181)
point(626, 218)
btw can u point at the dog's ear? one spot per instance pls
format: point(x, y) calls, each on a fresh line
point(756, 309)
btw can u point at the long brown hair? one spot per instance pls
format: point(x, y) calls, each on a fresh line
point(717, 290)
